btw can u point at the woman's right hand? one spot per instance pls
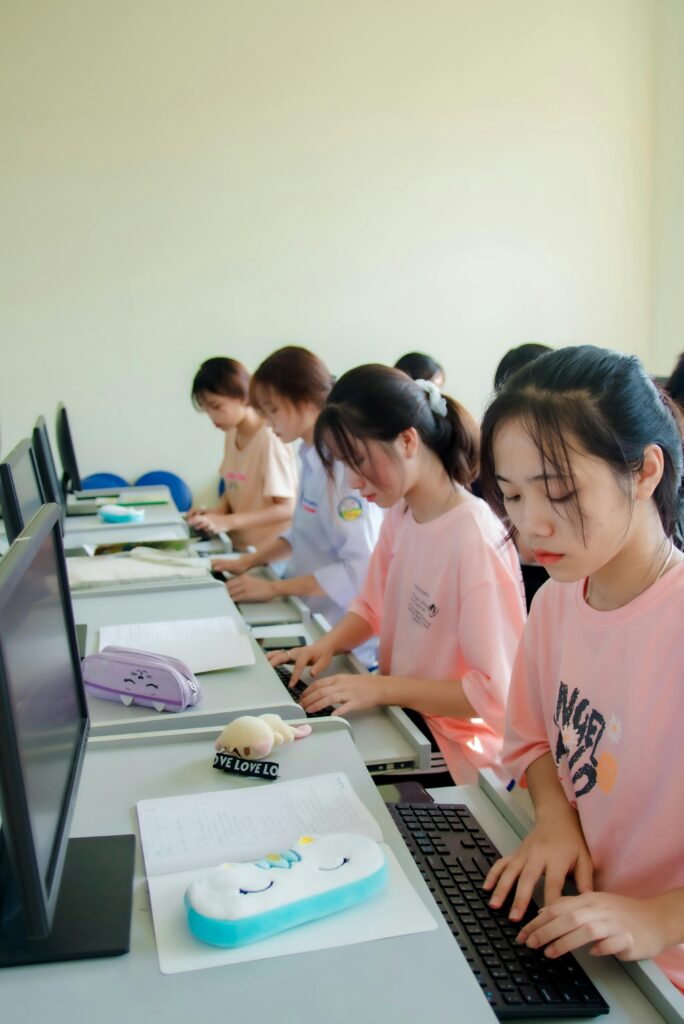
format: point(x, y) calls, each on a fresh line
point(235, 566)
point(554, 848)
point(318, 655)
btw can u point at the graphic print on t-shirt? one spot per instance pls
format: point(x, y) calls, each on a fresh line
point(421, 607)
point(581, 731)
point(233, 481)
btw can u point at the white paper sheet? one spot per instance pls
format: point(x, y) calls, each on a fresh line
point(205, 645)
point(184, 835)
point(186, 832)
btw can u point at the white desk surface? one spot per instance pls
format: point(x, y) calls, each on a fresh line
point(254, 689)
point(162, 521)
point(399, 981)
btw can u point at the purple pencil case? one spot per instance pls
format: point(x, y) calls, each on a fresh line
point(139, 677)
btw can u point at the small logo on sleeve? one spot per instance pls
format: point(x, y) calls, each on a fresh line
point(309, 505)
point(350, 509)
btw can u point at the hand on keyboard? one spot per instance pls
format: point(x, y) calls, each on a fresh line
point(554, 848)
point(631, 929)
point(348, 692)
point(317, 655)
point(284, 673)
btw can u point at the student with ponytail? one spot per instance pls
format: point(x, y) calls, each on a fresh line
point(443, 590)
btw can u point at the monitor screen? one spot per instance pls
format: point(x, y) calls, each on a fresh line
point(43, 715)
point(71, 478)
point(42, 450)
point(60, 898)
point(21, 491)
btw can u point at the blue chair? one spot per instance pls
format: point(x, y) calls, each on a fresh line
point(180, 492)
point(98, 480)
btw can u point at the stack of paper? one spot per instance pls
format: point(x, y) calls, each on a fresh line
point(205, 645)
point(85, 573)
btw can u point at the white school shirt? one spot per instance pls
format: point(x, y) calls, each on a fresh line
point(333, 533)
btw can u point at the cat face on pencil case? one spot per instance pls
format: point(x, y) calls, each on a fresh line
point(138, 677)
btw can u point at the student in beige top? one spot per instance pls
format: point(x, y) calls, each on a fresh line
point(258, 469)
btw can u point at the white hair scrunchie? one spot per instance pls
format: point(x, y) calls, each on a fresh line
point(435, 397)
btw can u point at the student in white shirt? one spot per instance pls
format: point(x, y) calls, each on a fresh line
point(334, 529)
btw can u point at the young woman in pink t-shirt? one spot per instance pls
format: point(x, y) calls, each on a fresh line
point(443, 590)
point(584, 457)
point(258, 470)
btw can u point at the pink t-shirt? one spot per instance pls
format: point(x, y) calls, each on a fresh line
point(446, 599)
point(263, 469)
point(603, 692)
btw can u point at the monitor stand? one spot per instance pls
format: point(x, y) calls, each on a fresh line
point(93, 913)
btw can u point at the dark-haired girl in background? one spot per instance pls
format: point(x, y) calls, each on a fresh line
point(443, 590)
point(258, 470)
point(585, 458)
point(419, 366)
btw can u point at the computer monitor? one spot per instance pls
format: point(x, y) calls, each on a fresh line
point(21, 491)
point(42, 450)
point(56, 895)
point(71, 478)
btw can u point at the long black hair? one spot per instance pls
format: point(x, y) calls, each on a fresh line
point(378, 403)
point(591, 400)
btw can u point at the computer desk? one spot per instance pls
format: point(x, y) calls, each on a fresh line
point(128, 490)
point(393, 981)
point(161, 522)
point(84, 532)
point(385, 737)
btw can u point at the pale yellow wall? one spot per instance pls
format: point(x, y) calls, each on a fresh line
point(668, 216)
point(185, 178)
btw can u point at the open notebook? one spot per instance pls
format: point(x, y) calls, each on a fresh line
point(183, 835)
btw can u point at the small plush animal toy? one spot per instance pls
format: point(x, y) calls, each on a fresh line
point(255, 737)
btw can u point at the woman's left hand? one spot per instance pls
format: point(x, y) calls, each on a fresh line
point(251, 588)
point(630, 929)
point(351, 693)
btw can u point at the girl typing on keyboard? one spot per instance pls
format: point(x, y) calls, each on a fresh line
point(584, 457)
point(258, 470)
point(443, 589)
point(334, 528)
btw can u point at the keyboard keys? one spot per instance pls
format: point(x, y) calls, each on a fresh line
point(454, 855)
point(284, 673)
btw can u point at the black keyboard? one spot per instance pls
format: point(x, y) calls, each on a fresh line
point(454, 855)
point(284, 673)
